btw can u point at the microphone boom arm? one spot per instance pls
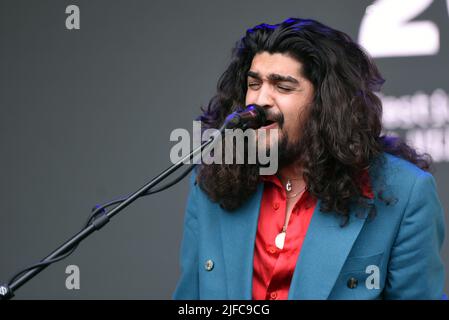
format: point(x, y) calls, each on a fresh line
point(7, 290)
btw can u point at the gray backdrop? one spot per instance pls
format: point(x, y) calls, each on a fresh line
point(86, 117)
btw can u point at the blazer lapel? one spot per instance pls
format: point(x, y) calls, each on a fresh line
point(238, 232)
point(323, 254)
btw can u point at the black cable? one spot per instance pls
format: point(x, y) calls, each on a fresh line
point(97, 209)
point(95, 212)
point(41, 264)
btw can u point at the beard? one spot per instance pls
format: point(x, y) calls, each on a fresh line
point(289, 151)
point(231, 185)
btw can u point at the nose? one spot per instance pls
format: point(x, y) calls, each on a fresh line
point(264, 96)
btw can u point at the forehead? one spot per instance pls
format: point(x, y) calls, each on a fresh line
point(266, 63)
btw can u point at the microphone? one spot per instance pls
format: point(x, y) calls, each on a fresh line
point(253, 117)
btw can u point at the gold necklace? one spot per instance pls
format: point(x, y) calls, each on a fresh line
point(280, 238)
point(288, 188)
point(295, 194)
point(288, 185)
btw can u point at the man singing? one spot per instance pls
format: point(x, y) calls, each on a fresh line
point(350, 213)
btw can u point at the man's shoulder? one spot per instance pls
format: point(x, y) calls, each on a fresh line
point(394, 166)
point(398, 177)
point(195, 191)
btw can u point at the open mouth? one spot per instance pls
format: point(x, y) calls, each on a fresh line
point(269, 123)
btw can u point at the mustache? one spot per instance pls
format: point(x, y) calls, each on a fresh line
point(276, 117)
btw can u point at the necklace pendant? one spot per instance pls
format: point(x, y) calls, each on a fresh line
point(280, 239)
point(288, 186)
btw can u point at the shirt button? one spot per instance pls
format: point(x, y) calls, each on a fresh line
point(271, 249)
point(276, 205)
point(273, 295)
point(209, 265)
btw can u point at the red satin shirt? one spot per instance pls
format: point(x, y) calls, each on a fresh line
point(272, 267)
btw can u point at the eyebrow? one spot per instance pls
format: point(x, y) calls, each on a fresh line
point(273, 77)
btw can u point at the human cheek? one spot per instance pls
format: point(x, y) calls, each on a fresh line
point(290, 118)
point(249, 99)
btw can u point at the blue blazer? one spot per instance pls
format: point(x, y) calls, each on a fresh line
point(403, 242)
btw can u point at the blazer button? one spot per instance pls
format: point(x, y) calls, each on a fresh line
point(209, 265)
point(352, 283)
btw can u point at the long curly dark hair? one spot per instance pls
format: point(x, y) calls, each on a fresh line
point(341, 136)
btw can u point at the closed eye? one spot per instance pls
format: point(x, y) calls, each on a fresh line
point(253, 85)
point(286, 89)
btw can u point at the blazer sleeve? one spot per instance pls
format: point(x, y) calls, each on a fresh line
point(415, 269)
point(188, 284)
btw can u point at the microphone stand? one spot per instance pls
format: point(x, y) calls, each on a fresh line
point(7, 290)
